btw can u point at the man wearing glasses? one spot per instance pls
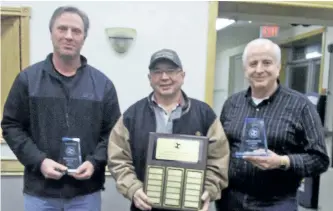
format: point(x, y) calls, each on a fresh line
point(166, 110)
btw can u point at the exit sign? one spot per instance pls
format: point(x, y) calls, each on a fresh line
point(269, 31)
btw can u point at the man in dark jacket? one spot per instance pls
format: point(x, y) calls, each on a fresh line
point(59, 97)
point(166, 110)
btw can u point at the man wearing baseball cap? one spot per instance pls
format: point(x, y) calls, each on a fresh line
point(166, 110)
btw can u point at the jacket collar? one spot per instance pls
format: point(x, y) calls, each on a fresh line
point(49, 67)
point(185, 103)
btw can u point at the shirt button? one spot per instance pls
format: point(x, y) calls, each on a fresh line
point(257, 109)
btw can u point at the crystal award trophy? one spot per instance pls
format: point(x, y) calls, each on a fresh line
point(71, 153)
point(253, 141)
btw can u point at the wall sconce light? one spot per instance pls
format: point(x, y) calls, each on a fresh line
point(121, 38)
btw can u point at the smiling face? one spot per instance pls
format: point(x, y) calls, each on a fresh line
point(166, 78)
point(262, 66)
point(67, 35)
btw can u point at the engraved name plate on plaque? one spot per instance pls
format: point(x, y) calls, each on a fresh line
point(175, 171)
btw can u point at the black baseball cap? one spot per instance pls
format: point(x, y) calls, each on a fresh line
point(165, 54)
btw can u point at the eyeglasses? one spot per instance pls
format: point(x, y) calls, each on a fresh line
point(171, 72)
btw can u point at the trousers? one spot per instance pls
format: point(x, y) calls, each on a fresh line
point(89, 202)
point(236, 201)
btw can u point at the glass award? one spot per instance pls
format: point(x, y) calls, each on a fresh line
point(71, 153)
point(253, 141)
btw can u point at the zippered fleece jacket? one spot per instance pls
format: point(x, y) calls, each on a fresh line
point(42, 107)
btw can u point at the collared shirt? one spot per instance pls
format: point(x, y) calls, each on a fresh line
point(293, 128)
point(164, 119)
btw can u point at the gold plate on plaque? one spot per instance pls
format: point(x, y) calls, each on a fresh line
point(154, 186)
point(193, 188)
point(177, 150)
point(173, 187)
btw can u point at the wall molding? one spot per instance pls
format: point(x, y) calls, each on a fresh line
point(211, 52)
point(310, 4)
point(13, 167)
point(15, 11)
point(24, 14)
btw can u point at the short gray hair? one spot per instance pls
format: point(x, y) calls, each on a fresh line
point(70, 9)
point(262, 41)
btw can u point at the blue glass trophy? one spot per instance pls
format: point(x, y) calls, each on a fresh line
point(253, 141)
point(71, 153)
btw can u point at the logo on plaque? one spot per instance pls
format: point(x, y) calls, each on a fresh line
point(253, 141)
point(175, 171)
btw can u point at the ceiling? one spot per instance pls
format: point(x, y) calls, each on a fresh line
point(282, 15)
point(249, 24)
point(241, 31)
point(238, 29)
point(303, 42)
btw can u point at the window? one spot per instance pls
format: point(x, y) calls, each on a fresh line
point(303, 67)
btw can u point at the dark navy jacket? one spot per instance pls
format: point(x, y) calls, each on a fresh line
point(44, 106)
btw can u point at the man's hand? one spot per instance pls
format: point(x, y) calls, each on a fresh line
point(84, 171)
point(52, 170)
point(141, 200)
point(206, 198)
point(272, 161)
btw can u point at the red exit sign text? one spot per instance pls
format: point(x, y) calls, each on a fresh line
point(269, 31)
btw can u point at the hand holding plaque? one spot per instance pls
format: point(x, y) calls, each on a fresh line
point(71, 153)
point(253, 142)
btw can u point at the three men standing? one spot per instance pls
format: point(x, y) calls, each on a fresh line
point(63, 96)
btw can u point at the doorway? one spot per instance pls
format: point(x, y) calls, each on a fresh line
point(15, 43)
point(304, 64)
point(304, 76)
point(10, 54)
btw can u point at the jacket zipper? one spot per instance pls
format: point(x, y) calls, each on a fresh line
point(66, 91)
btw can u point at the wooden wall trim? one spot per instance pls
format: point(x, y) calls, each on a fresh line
point(15, 11)
point(13, 167)
point(23, 14)
point(211, 52)
point(309, 4)
point(25, 37)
